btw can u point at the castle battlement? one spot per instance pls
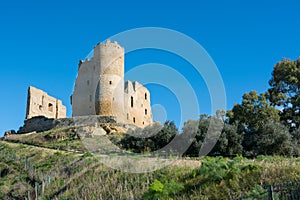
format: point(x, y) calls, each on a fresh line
point(104, 48)
point(131, 87)
point(109, 44)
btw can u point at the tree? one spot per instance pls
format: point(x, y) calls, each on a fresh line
point(151, 138)
point(296, 141)
point(254, 111)
point(285, 90)
point(165, 135)
point(230, 141)
point(274, 139)
point(251, 116)
point(196, 131)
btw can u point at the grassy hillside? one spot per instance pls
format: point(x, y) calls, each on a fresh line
point(59, 138)
point(49, 159)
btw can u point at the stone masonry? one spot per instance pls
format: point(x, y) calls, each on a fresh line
point(39, 103)
point(100, 89)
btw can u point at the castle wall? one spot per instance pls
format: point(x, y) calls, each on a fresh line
point(60, 110)
point(137, 104)
point(39, 103)
point(110, 96)
point(83, 97)
point(109, 57)
point(99, 88)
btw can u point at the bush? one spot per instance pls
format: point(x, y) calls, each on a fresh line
point(257, 192)
point(151, 138)
point(158, 191)
point(87, 154)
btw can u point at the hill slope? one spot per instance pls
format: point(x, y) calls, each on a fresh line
point(60, 168)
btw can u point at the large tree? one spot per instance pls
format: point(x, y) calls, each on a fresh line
point(206, 137)
point(274, 139)
point(251, 116)
point(253, 112)
point(229, 142)
point(196, 131)
point(285, 90)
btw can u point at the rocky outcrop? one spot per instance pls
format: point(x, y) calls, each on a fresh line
point(41, 123)
point(8, 133)
point(97, 125)
point(37, 124)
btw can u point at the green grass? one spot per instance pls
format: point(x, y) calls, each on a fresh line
point(58, 138)
point(82, 176)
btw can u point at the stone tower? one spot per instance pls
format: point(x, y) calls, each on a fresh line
point(100, 90)
point(109, 96)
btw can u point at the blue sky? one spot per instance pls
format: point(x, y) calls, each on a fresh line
point(42, 42)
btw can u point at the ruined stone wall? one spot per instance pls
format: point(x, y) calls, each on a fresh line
point(83, 97)
point(137, 104)
point(39, 103)
point(60, 110)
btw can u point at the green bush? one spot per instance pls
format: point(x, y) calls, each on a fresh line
point(258, 192)
point(87, 154)
point(159, 191)
point(58, 153)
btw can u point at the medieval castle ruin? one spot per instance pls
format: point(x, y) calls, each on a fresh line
point(99, 90)
point(39, 103)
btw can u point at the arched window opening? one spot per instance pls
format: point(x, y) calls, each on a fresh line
point(145, 111)
point(110, 82)
point(145, 96)
point(134, 120)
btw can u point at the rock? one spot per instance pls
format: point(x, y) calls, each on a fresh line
point(37, 124)
point(99, 131)
point(41, 123)
point(9, 132)
point(84, 126)
point(107, 129)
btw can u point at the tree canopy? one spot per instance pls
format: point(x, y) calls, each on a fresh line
point(285, 90)
point(262, 124)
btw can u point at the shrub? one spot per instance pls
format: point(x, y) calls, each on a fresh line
point(158, 191)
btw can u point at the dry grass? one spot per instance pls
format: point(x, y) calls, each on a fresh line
point(83, 176)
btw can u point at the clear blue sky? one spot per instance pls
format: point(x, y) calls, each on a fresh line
point(42, 42)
